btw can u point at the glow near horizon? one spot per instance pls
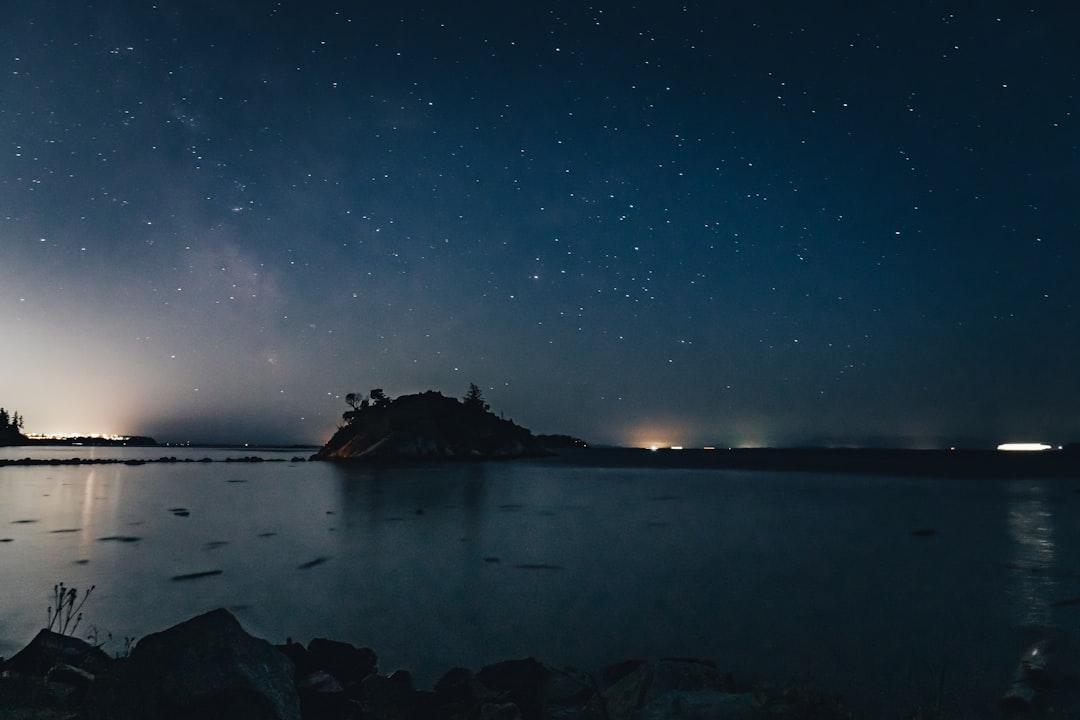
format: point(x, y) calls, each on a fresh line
point(1024, 447)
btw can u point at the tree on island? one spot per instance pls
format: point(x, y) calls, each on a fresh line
point(474, 399)
point(11, 425)
point(376, 399)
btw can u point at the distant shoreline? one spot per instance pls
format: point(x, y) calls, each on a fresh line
point(869, 461)
point(171, 459)
point(145, 442)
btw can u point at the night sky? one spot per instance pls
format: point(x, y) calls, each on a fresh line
point(713, 223)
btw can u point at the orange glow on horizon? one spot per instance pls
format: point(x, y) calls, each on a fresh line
point(653, 437)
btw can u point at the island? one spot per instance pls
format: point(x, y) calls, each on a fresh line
point(426, 426)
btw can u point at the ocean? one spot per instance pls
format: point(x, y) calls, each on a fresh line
point(896, 592)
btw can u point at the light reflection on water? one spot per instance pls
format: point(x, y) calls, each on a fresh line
point(1034, 585)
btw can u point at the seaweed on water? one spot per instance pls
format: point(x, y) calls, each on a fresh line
point(196, 575)
point(312, 563)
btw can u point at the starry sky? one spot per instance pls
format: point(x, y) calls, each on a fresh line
point(708, 223)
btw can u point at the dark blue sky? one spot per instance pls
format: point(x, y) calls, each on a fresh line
point(769, 223)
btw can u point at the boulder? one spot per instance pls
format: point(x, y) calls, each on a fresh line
point(320, 682)
point(499, 711)
point(348, 663)
point(50, 648)
point(321, 696)
point(566, 693)
point(209, 668)
point(459, 690)
point(518, 681)
point(390, 698)
point(616, 672)
point(68, 681)
point(300, 657)
point(635, 692)
point(700, 705)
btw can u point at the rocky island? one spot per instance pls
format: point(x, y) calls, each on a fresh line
point(426, 426)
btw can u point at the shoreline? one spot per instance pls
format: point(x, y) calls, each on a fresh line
point(868, 461)
point(1064, 463)
point(170, 459)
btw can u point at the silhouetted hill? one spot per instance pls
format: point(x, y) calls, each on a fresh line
point(428, 426)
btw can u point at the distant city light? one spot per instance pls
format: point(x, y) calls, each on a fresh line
point(676, 447)
point(1024, 447)
point(78, 436)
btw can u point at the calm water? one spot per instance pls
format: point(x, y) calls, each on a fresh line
point(772, 575)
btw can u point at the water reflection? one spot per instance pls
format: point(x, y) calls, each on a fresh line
point(87, 513)
point(373, 500)
point(1031, 562)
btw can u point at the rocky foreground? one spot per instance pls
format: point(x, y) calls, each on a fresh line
point(210, 668)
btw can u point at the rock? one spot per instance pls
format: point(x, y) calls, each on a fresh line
point(75, 678)
point(427, 705)
point(1018, 698)
point(518, 681)
point(49, 648)
point(796, 701)
point(614, 673)
point(390, 698)
point(348, 663)
point(319, 681)
point(322, 696)
point(459, 690)
point(1030, 677)
point(567, 688)
point(628, 697)
point(300, 657)
point(207, 668)
point(699, 705)
point(499, 711)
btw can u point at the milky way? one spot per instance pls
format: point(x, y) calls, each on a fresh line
point(693, 224)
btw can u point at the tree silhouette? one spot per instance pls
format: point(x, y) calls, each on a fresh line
point(379, 398)
point(475, 399)
point(11, 428)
